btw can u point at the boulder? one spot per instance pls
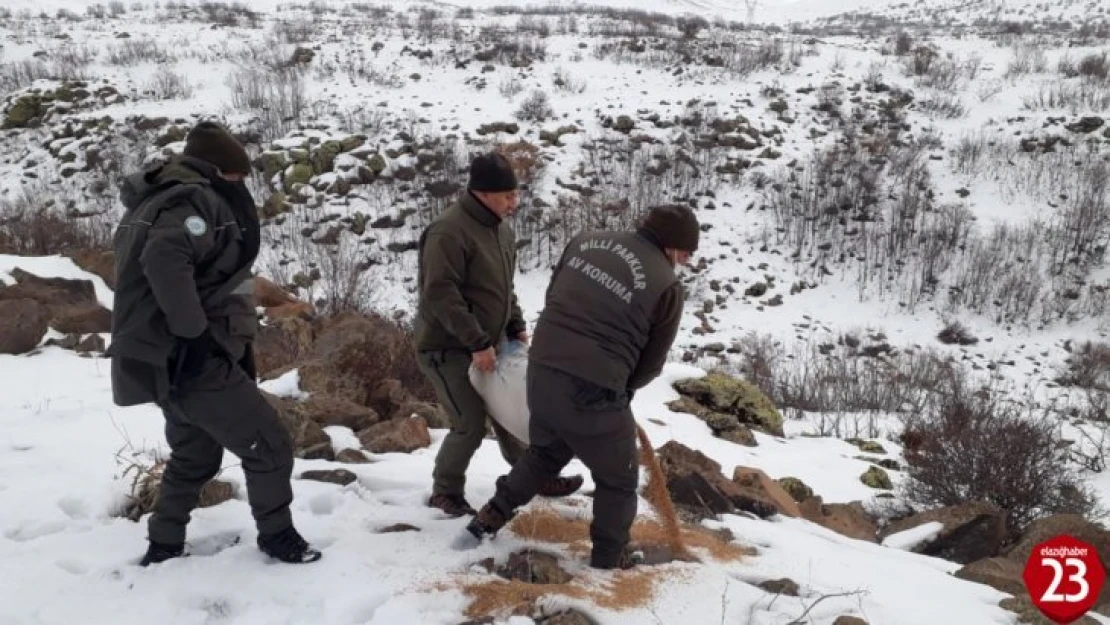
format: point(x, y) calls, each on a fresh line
point(972, 531)
point(94, 319)
point(999, 573)
point(330, 411)
point(306, 433)
point(721, 393)
point(101, 263)
point(54, 293)
point(848, 619)
point(23, 324)
point(796, 488)
point(850, 519)
point(215, 492)
point(1023, 606)
point(351, 456)
point(396, 435)
point(696, 484)
point(568, 616)
point(784, 586)
point(758, 481)
point(269, 295)
point(280, 343)
point(875, 477)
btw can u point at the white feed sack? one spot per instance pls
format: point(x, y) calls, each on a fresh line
point(505, 390)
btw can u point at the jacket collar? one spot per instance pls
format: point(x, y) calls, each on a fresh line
point(473, 207)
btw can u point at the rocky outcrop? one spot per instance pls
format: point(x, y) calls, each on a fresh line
point(23, 324)
point(698, 487)
point(971, 531)
point(726, 403)
point(396, 436)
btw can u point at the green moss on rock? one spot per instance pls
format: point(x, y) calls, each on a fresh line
point(723, 393)
point(24, 111)
point(796, 488)
point(272, 162)
point(875, 477)
point(871, 447)
point(297, 174)
point(323, 157)
point(376, 163)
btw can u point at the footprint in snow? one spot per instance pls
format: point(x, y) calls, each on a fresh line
point(72, 566)
point(74, 508)
point(31, 532)
point(212, 544)
point(323, 504)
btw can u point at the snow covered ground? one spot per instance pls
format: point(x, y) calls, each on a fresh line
point(64, 446)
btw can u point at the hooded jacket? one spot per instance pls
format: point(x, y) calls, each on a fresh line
point(184, 252)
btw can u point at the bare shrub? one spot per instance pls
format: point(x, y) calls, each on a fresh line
point(973, 445)
point(167, 84)
point(536, 107)
point(1088, 367)
point(1028, 58)
point(1095, 66)
point(32, 225)
point(133, 51)
point(277, 98)
point(525, 160)
point(1075, 97)
point(955, 333)
point(942, 106)
point(510, 87)
point(563, 81)
point(903, 44)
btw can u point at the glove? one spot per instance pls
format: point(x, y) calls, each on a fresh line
point(191, 354)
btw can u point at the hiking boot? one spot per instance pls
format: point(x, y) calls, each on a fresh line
point(625, 559)
point(160, 552)
point(487, 522)
point(454, 505)
point(561, 486)
point(288, 546)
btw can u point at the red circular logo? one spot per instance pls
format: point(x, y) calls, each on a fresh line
point(1064, 577)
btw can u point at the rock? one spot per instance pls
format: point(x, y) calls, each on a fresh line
point(396, 436)
point(847, 619)
point(24, 112)
point(534, 567)
point(871, 447)
point(341, 477)
point(351, 456)
point(306, 433)
point(723, 393)
point(1023, 606)
point(397, 528)
point(850, 519)
point(740, 435)
point(782, 586)
point(796, 488)
point(101, 263)
point(434, 415)
point(696, 484)
point(757, 480)
point(22, 325)
point(317, 451)
point(54, 293)
point(387, 396)
point(972, 531)
point(1086, 125)
point(299, 173)
point(93, 319)
point(215, 492)
point(876, 478)
point(330, 411)
point(999, 573)
point(279, 343)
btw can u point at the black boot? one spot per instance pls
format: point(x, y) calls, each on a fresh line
point(487, 522)
point(288, 546)
point(160, 552)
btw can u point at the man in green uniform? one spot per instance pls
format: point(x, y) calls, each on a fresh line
point(182, 327)
point(467, 306)
point(613, 310)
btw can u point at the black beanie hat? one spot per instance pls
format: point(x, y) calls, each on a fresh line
point(210, 142)
point(492, 172)
point(674, 225)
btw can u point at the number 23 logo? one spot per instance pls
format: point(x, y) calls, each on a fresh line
point(1079, 577)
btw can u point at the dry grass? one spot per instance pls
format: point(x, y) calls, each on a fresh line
point(544, 524)
point(657, 494)
point(626, 589)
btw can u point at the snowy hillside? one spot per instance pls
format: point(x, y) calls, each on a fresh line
point(906, 216)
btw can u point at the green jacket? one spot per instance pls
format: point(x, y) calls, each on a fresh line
point(465, 280)
point(184, 253)
point(613, 309)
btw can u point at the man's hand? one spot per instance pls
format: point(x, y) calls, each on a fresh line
point(485, 360)
point(522, 336)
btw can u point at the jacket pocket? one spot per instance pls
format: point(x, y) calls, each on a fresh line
point(589, 397)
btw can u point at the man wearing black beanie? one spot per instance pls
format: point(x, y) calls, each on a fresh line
point(182, 327)
point(467, 306)
point(613, 309)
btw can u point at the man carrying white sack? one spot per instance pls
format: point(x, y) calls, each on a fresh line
point(613, 310)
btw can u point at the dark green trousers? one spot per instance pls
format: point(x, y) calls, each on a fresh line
point(572, 417)
point(448, 372)
point(221, 408)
